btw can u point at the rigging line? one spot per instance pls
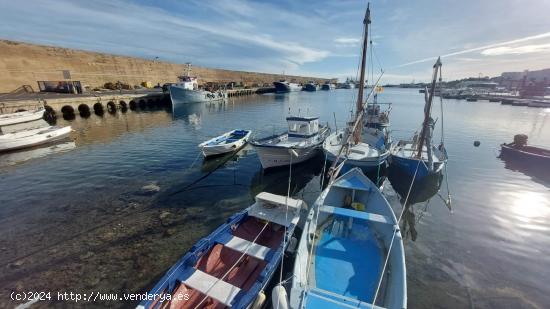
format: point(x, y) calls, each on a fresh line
point(286, 216)
point(395, 230)
point(234, 265)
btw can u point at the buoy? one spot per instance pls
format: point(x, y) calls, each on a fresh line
point(259, 301)
point(279, 298)
point(477, 143)
point(292, 244)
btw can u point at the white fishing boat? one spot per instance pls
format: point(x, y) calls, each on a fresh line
point(227, 142)
point(350, 254)
point(359, 144)
point(34, 137)
point(21, 117)
point(232, 266)
point(303, 140)
point(187, 91)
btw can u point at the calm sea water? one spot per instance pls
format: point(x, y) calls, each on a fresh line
point(75, 217)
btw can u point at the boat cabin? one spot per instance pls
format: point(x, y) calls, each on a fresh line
point(188, 82)
point(302, 127)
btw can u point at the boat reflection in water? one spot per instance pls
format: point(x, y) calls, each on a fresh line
point(276, 180)
point(16, 157)
point(533, 170)
point(190, 113)
point(211, 164)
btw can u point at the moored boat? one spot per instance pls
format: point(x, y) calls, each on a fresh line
point(227, 142)
point(302, 141)
point(418, 161)
point(519, 150)
point(350, 254)
point(284, 86)
point(21, 117)
point(34, 137)
point(231, 266)
point(328, 86)
point(187, 91)
point(311, 87)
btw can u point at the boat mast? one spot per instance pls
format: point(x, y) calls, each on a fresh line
point(425, 133)
point(359, 105)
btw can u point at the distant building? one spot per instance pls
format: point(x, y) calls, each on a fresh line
point(517, 80)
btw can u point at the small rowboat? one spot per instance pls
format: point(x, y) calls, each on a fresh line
point(29, 138)
point(231, 266)
point(227, 142)
point(20, 117)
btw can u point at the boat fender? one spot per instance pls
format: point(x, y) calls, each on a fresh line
point(279, 298)
point(292, 244)
point(259, 301)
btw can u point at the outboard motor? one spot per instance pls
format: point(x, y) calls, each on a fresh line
point(520, 140)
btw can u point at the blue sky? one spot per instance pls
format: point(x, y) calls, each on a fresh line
point(318, 38)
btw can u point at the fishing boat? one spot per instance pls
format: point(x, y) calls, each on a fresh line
point(21, 117)
point(301, 142)
point(311, 87)
point(34, 137)
point(231, 266)
point(376, 117)
point(227, 142)
point(284, 86)
point(520, 151)
point(416, 160)
point(357, 145)
point(187, 91)
point(328, 86)
point(350, 254)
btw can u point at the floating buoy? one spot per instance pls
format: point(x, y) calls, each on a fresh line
point(477, 143)
point(259, 301)
point(279, 298)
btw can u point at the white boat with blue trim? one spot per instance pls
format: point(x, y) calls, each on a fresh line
point(232, 266)
point(350, 254)
point(303, 141)
point(225, 143)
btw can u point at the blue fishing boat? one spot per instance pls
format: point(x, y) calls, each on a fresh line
point(350, 254)
point(418, 160)
point(231, 266)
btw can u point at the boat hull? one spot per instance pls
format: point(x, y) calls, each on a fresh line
point(20, 117)
point(273, 156)
point(30, 138)
point(179, 95)
point(528, 154)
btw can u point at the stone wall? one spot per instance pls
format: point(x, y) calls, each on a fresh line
point(25, 64)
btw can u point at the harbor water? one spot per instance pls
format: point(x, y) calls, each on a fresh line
point(113, 208)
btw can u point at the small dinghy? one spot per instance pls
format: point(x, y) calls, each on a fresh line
point(21, 117)
point(231, 266)
point(518, 150)
point(34, 137)
point(227, 142)
point(351, 252)
point(303, 141)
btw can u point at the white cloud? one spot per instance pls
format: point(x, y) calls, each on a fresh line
point(347, 41)
point(517, 50)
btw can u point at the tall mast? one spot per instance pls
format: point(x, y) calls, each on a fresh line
point(424, 133)
point(359, 105)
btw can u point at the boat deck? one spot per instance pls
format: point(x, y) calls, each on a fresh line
point(348, 262)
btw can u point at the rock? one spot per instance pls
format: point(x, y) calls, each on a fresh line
point(15, 264)
point(169, 232)
point(149, 189)
point(166, 218)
